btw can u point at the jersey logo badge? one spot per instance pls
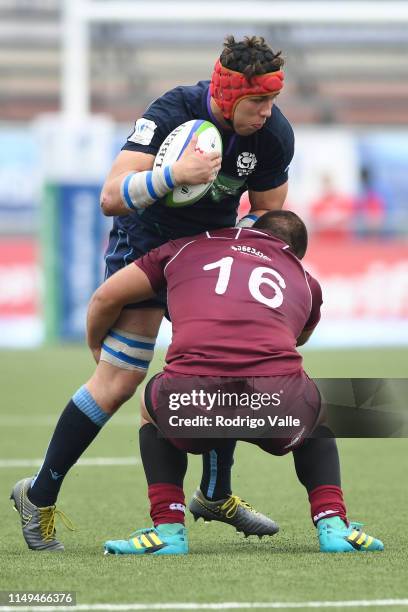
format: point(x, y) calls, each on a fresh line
point(246, 163)
point(243, 248)
point(179, 507)
point(143, 132)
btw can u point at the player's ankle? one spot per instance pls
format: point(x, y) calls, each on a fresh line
point(221, 496)
point(335, 522)
point(40, 499)
point(169, 528)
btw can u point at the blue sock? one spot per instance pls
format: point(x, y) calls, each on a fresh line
point(77, 427)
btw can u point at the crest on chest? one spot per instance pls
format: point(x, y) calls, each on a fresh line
point(246, 163)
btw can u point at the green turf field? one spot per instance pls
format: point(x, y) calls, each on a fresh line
point(110, 501)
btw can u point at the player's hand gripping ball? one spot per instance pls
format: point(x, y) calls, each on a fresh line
point(209, 141)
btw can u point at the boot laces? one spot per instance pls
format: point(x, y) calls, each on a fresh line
point(141, 531)
point(47, 521)
point(230, 507)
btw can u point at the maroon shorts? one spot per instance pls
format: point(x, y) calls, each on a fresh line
point(197, 413)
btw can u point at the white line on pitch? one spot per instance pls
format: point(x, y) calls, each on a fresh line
point(89, 462)
point(274, 605)
point(51, 419)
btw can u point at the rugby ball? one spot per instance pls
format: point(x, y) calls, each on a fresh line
point(209, 141)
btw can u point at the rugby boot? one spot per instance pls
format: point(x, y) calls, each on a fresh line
point(334, 536)
point(234, 511)
point(38, 524)
point(165, 539)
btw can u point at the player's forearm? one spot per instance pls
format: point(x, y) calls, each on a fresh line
point(265, 208)
point(111, 197)
point(102, 314)
point(133, 192)
point(266, 201)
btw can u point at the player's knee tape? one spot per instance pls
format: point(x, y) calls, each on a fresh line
point(127, 351)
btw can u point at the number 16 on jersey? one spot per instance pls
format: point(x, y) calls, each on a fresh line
point(259, 276)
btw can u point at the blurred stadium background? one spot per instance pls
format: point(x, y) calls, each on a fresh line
point(75, 75)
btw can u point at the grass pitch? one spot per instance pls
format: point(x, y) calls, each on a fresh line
point(110, 502)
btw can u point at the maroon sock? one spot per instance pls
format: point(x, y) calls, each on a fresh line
point(327, 501)
point(167, 503)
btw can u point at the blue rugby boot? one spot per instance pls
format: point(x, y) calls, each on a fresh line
point(335, 536)
point(165, 539)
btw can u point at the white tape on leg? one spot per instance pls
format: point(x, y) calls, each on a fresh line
point(127, 351)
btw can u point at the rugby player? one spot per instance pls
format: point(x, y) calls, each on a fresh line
point(257, 150)
point(240, 302)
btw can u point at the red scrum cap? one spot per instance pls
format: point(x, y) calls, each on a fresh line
point(228, 87)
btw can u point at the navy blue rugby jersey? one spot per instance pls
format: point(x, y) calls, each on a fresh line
point(258, 162)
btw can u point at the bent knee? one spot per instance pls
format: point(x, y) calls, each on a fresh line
point(123, 387)
point(112, 387)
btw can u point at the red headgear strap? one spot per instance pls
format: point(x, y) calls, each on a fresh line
point(229, 87)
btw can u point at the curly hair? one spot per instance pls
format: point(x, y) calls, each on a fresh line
point(251, 56)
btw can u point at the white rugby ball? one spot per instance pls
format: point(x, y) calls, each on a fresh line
point(209, 141)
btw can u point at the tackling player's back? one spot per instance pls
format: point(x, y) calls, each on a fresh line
point(227, 286)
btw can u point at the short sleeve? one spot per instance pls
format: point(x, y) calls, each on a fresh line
point(160, 118)
point(317, 301)
point(277, 153)
point(154, 262)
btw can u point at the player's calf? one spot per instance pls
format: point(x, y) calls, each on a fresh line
point(165, 467)
point(165, 462)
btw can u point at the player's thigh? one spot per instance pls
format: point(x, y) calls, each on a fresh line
point(154, 410)
point(142, 321)
point(127, 352)
point(296, 415)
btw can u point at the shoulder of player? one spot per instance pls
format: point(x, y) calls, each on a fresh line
point(249, 233)
point(276, 244)
point(175, 247)
point(278, 128)
point(174, 107)
point(177, 101)
point(263, 238)
point(168, 108)
point(314, 285)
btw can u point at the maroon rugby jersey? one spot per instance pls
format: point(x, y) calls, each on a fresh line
point(238, 300)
